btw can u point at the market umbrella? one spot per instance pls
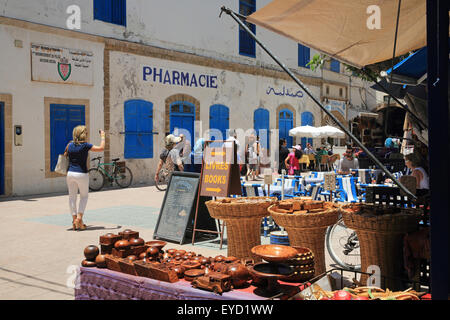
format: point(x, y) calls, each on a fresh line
point(305, 132)
point(347, 29)
point(330, 131)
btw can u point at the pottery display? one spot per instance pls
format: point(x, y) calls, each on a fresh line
point(90, 252)
point(122, 245)
point(274, 252)
point(88, 264)
point(100, 261)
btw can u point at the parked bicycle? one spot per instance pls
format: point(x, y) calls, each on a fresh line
point(112, 172)
point(343, 245)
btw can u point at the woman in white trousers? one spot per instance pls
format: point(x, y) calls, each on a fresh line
point(77, 174)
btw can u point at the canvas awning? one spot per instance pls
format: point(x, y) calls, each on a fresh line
point(340, 28)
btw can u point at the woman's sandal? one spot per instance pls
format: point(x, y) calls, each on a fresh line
point(80, 225)
point(74, 224)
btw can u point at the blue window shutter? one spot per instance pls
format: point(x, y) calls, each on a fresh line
point(119, 12)
point(334, 65)
point(102, 10)
point(112, 11)
point(219, 119)
point(247, 45)
point(285, 124)
point(138, 129)
point(261, 122)
point(303, 56)
point(307, 120)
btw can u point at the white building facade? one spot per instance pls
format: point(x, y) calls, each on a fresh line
point(143, 70)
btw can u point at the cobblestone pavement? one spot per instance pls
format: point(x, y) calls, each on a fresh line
point(39, 246)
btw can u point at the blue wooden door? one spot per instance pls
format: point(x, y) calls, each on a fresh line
point(219, 119)
point(286, 123)
point(63, 119)
point(307, 120)
point(262, 126)
point(2, 147)
point(138, 129)
point(182, 116)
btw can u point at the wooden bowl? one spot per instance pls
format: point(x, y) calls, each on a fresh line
point(190, 275)
point(88, 264)
point(274, 252)
point(156, 243)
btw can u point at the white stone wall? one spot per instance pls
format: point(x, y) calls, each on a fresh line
point(28, 160)
point(241, 93)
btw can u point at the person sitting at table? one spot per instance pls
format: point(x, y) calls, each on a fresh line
point(292, 162)
point(348, 162)
point(412, 161)
point(308, 149)
point(319, 153)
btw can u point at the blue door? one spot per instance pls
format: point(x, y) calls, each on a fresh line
point(286, 123)
point(307, 120)
point(2, 147)
point(138, 129)
point(182, 116)
point(219, 119)
point(63, 119)
point(261, 126)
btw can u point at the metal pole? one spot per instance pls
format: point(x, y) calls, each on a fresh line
point(374, 159)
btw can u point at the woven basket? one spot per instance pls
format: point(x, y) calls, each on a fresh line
point(308, 230)
point(381, 240)
point(243, 222)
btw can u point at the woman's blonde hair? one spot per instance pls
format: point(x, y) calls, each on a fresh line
point(79, 134)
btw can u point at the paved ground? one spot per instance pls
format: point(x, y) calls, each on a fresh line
point(39, 247)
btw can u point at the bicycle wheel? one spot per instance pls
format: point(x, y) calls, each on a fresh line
point(96, 179)
point(163, 179)
point(124, 179)
point(343, 246)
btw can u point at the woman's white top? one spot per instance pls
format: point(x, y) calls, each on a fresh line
point(425, 182)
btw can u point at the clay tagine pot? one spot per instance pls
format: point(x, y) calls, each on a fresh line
point(90, 252)
point(88, 264)
point(100, 261)
point(239, 274)
point(122, 245)
point(136, 242)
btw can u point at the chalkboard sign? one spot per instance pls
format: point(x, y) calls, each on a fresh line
point(178, 207)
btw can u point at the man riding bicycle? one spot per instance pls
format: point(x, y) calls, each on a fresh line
point(170, 156)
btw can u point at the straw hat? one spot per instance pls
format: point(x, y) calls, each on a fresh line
point(171, 139)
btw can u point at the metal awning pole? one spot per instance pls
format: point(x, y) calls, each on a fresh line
point(374, 159)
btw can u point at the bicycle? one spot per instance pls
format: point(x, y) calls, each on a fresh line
point(343, 245)
point(122, 175)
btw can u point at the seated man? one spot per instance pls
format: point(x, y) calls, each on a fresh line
point(348, 162)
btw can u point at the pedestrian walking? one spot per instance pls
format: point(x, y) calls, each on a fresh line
point(251, 157)
point(283, 152)
point(292, 161)
point(170, 155)
point(77, 174)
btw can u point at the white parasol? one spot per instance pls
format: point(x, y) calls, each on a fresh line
point(305, 132)
point(330, 131)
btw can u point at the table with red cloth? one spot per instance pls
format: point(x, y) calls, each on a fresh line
point(104, 284)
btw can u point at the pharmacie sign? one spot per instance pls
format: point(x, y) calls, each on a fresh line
point(177, 77)
point(61, 65)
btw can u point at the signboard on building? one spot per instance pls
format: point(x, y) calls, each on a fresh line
point(61, 65)
point(336, 105)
